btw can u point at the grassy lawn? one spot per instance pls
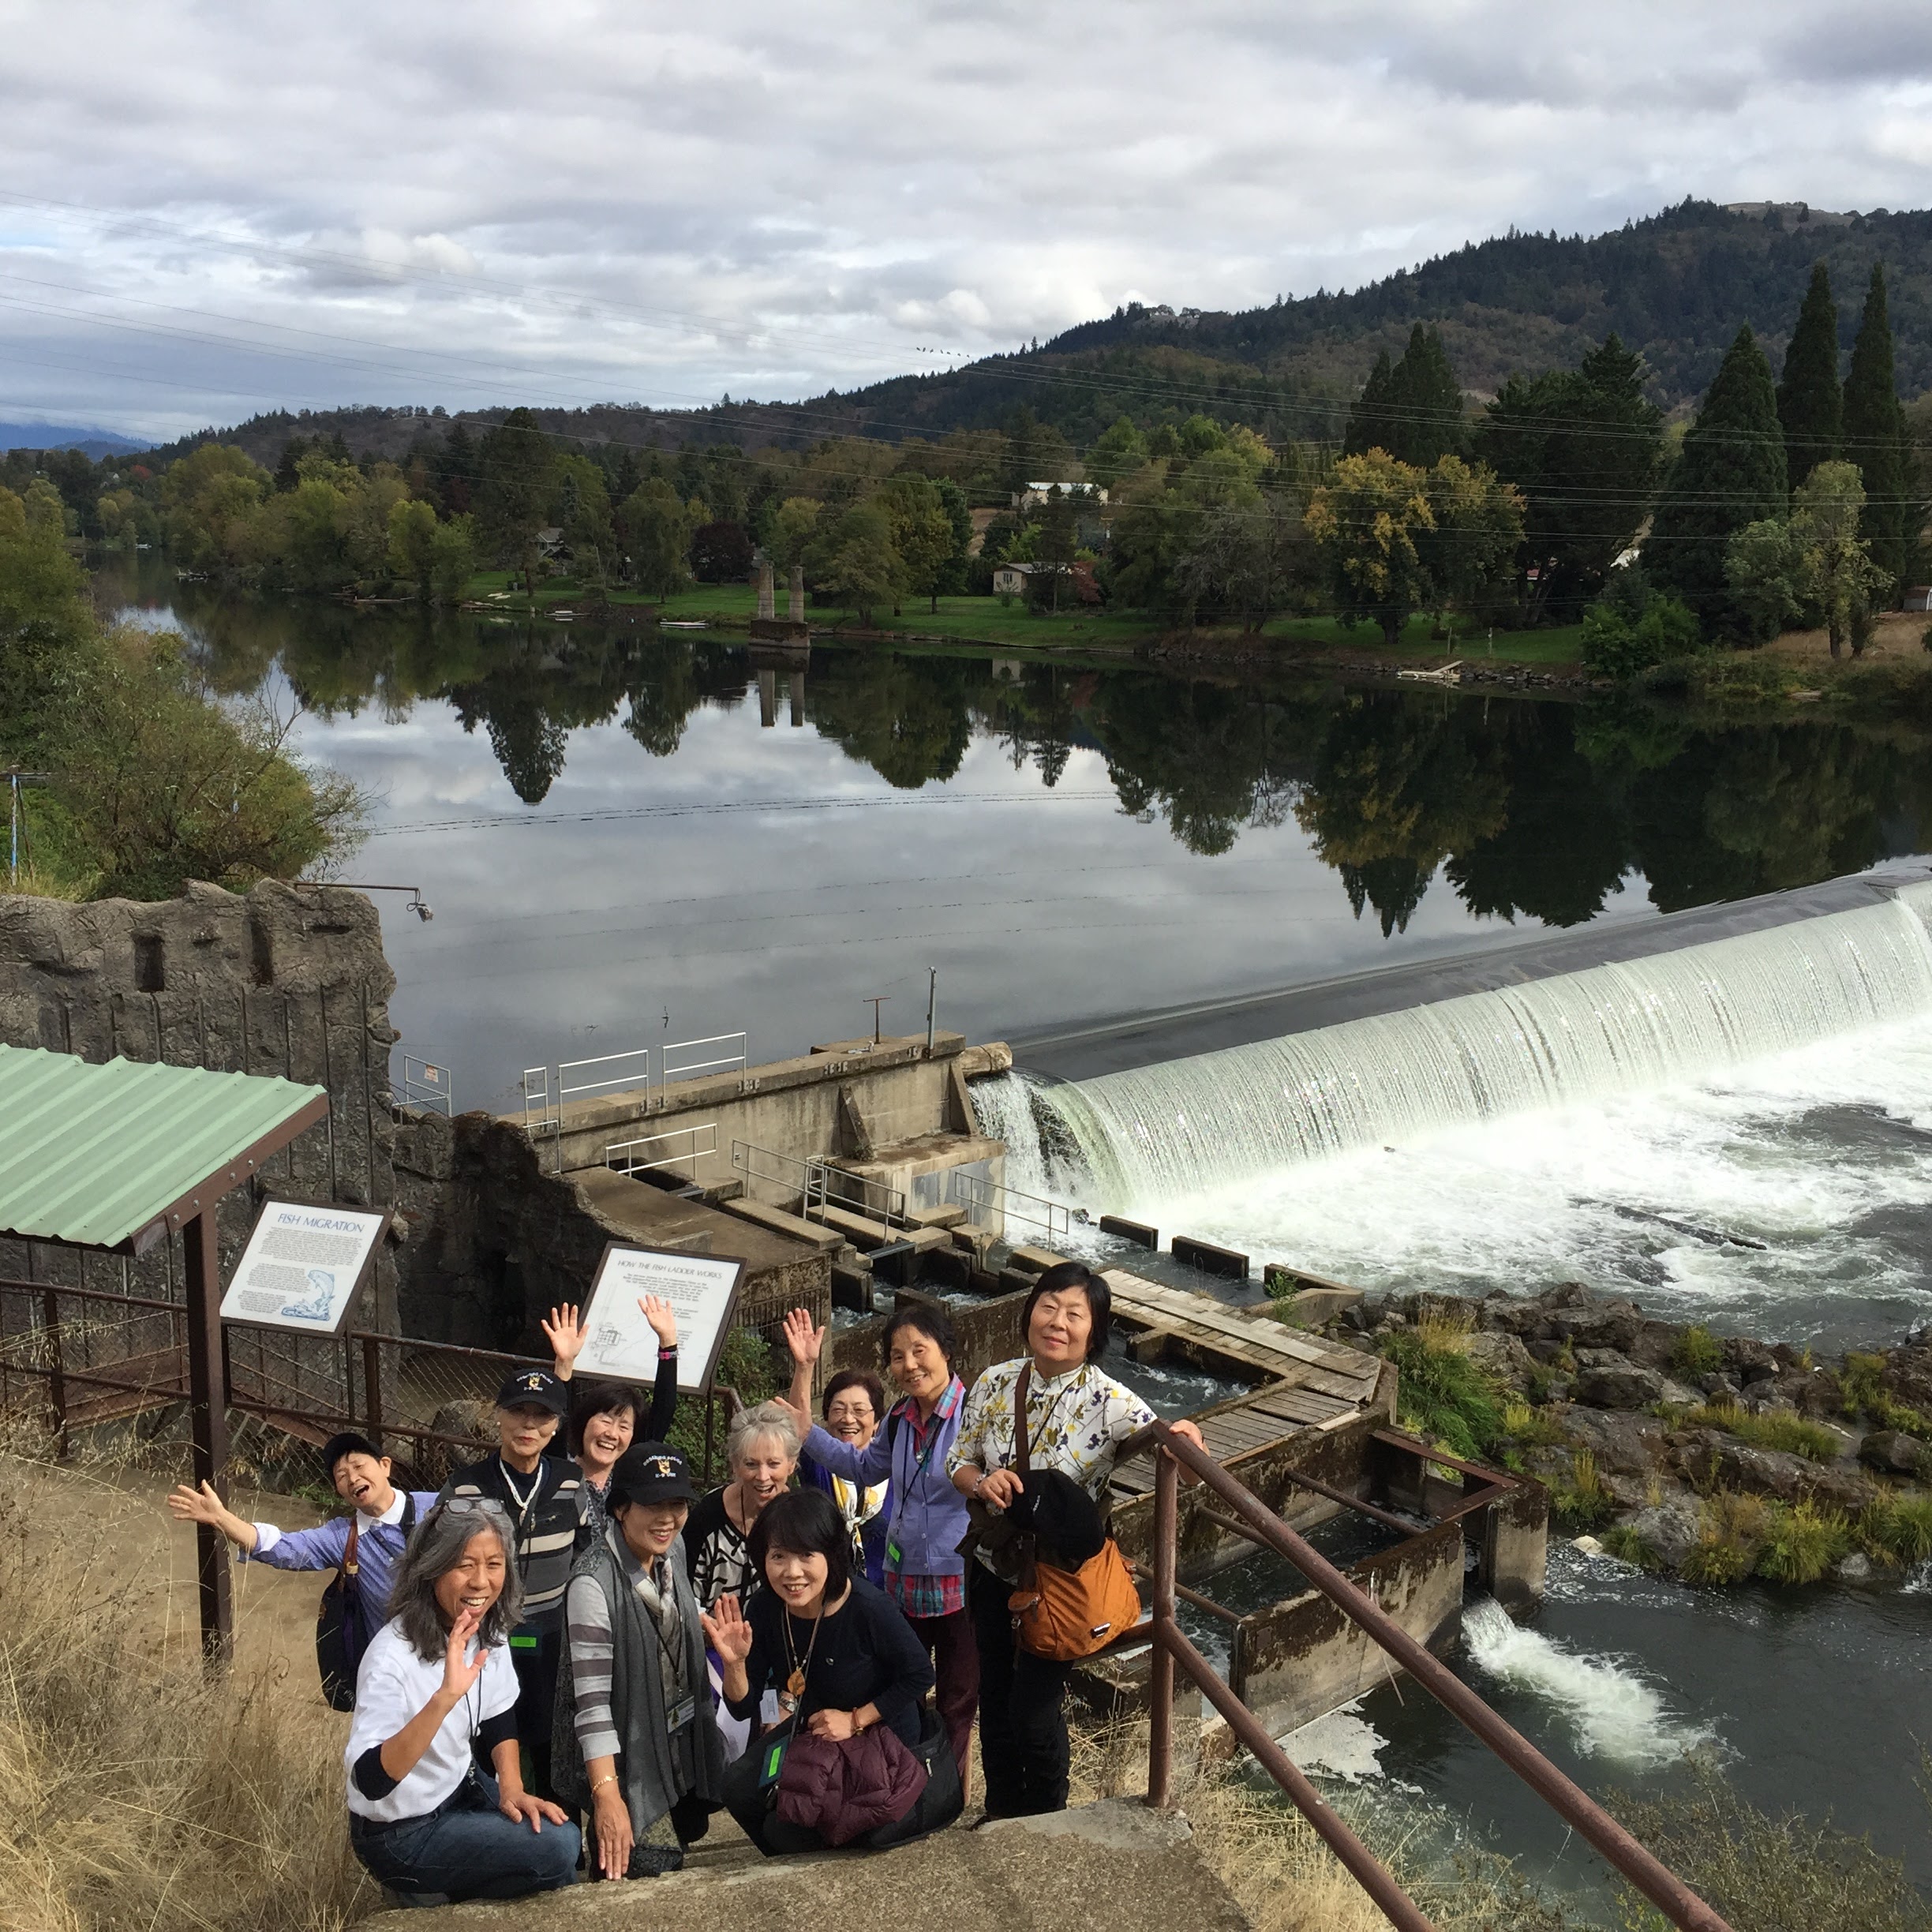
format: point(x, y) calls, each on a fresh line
point(990, 621)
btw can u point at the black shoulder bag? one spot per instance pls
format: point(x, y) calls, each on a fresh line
point(342, 1635)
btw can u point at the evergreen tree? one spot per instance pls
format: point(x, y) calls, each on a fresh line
point(1425, 403)
point(1368, 420)
point(1874, 436)
point(1729, 473)
point(1810, 404)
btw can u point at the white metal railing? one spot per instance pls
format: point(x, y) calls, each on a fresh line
point(631, 1071)
point(981, 1199)
point(731, 1058)
point(627, 1156)
point(814, 1184)
point(539, 1100)
point(425, 1084)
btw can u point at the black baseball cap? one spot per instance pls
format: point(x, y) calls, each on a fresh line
point(534, 1388)
point(651, 1472)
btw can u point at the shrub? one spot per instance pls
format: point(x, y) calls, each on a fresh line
point(1865, 1393)
point(1584, 1503)
point(1763, 1874)
point(1697, 1352)
point(1898, 1528)
point(1801, 1542)
point(1779, 1430)
point(1443, 1397)
point(1615, 645)
point(1730, 1531)
point(1622, 1541)
point(1530, 1427)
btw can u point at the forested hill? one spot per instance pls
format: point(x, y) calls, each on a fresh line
point(1675, 286)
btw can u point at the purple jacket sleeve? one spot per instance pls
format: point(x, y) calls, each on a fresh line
point(318, 1549)
point(872, 1464)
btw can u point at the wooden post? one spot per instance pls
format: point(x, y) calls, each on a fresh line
point(372, 1391)
point(208, 1395)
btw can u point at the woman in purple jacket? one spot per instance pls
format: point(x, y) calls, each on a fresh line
point(924, 1573)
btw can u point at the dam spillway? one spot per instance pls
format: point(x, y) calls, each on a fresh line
point(1802, 970)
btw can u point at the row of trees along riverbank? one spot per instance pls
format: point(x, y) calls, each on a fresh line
point(1798, 502)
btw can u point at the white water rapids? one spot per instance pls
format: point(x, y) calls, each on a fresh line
point(1739, 1129)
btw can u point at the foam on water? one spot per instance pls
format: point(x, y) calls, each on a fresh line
point(1343, 1745)
point(1610, 1711)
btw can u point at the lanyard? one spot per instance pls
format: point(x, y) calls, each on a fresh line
point(1036, 1436)
point(932, 1443)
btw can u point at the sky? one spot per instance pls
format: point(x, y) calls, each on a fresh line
point(208, 209)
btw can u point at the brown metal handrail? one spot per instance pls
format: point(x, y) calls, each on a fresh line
point(1671, 1896)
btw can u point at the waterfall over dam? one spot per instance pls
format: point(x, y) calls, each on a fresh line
point(1664, 1012)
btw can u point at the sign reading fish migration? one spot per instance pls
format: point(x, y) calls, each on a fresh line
point(702, 1291)
point(302, 1265)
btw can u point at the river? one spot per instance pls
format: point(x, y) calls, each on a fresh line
point(626, 842)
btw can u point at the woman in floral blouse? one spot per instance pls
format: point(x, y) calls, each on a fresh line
point(1079, 1421)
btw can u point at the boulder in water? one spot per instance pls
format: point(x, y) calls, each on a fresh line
point(1670, 1528)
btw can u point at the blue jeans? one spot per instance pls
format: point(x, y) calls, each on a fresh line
point(465, 1849)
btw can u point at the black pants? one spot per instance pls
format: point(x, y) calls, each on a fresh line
point(1023, 1733)
point(536, 1709)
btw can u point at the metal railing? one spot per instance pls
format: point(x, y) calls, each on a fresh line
point(539, 1101)
point(425, 1084)
point(810, 1184)
point(1172, 1649)
point(981, 1198)
point(792, 1179)
point(682, 1069)
point(636, 1076)
point(627, 1156)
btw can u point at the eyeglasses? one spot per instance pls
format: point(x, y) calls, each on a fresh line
point(477, 1505)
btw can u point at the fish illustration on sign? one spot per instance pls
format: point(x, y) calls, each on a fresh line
point(317, 1307)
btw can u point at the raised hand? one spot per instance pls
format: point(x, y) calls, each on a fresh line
point(565, 1332)
point(461, 1670)
point(192, 1505)
point(662, 1317)
point(802, 1337)
point(727, 1631)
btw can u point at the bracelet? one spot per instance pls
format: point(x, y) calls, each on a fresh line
point(609, 1777)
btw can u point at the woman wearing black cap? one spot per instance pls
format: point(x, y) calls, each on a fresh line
point(539, 1491)
point(637, 1744)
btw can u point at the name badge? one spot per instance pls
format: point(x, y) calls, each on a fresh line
point(682, 1712)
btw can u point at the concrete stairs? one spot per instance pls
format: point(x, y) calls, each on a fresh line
point(1115, 1865)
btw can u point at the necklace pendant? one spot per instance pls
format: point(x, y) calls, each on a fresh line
point(795, 1684)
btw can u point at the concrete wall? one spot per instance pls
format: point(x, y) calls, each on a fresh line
point(988, 1332)
point(850, 1100)
point(1514, 1549)
point(281, 980)
point(1304, 1658)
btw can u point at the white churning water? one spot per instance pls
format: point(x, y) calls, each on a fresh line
point(1175, 1129)
point(1610, 1711)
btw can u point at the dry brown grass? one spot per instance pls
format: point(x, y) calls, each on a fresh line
point(140, 1794)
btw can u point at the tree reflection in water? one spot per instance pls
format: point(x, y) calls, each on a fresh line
point(1540, 809)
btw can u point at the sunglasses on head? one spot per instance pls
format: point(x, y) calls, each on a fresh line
point(477, 1505)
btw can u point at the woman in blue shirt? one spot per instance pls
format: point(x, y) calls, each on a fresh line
point(923, 1573)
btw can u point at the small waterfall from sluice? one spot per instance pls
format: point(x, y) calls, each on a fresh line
point(1177, 1127)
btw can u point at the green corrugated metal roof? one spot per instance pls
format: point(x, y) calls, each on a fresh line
point(92, 1155)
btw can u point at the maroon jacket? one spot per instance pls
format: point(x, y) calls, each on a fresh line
point(843, 1791)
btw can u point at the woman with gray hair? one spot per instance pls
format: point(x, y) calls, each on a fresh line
point(761, 1452)
point(436, 1684)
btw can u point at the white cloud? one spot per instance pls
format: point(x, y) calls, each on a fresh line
point(573, 202)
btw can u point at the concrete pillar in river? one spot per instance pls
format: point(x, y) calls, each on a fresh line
point(798, 697)
point(767, 603)
point(797, 611)
point(767, 699)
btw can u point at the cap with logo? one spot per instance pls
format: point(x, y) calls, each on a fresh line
point(652, 1472)
point(534, 1388)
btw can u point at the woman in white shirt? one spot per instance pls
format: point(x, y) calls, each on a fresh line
point(1079, 1421)
point(435, 1684)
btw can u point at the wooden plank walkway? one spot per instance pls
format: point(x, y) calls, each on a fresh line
point(1313, 1383)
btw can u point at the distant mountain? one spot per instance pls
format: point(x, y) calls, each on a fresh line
point(92, 442)
point(1676, 286)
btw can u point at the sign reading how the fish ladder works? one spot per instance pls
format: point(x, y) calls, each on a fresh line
point(702, 1291)
point(302, 1265)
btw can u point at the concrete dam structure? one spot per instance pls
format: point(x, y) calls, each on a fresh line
point(1159, 1106)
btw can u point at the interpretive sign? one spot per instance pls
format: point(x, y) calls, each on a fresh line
point(302, 1265)
point(702, 1291)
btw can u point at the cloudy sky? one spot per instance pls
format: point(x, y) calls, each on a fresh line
point(213, 208)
